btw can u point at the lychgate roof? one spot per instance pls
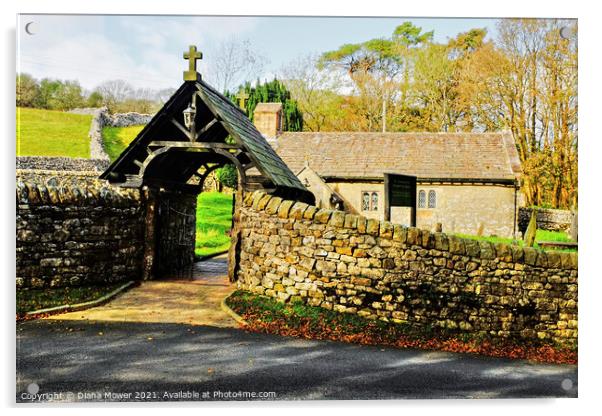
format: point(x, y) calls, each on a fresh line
point(479, 156)
point(166, 154)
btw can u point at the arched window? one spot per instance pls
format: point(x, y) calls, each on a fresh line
point(432, 199)
point(369, 201)
point(421, 199)
point(374, 201)
point(365, 201)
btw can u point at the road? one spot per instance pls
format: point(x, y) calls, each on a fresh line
point(113, 361)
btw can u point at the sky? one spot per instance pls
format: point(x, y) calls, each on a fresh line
point(146, 51)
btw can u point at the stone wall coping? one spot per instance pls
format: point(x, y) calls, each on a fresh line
point(50, 172)
point(260, 201)
point(33, 193)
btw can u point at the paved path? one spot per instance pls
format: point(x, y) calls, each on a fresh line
point(71, 356)
point(194, 302)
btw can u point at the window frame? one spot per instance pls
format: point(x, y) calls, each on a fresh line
point(371, 207)
point(422, 204)
point(434, 199)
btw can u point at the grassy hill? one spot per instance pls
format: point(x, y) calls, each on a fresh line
point(213, 221)
point(116, 139)
point(52, 133)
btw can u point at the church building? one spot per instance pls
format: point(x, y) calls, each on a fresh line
point(465, 183)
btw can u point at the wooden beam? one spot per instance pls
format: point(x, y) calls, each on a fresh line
point(181, 128)
point(204, 129)
point(164, 183)
point(193, 145)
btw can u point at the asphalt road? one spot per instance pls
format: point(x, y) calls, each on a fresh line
point(109, 361)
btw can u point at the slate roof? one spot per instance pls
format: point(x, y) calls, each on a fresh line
point(425, 155)
point(238, 125)
point(178, 167)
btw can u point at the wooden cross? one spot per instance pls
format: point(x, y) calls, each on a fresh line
point(242, 97)
point(192, 55)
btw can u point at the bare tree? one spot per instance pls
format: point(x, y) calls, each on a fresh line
point(233, 62)
point(315, 90)
point(115, 91)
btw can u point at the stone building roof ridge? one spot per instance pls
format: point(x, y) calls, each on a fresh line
point(442, 155)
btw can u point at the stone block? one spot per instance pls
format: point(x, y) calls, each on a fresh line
point(351, 221)
point(323, 215)
point(284, 209)
point(441, 242)
point(456, 245)
point(348, 251)
point(487, 250)
point(399, 233)
point(272, 206)
point(413, 237)
point(372, 227)
point(530, 255)
point(297, 210)
point(310, 212)
point(337, 219)
point(362, 223)
point(386, 229)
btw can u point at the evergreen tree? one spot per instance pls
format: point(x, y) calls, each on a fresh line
point(271, 92)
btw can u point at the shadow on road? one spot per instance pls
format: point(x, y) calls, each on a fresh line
point(79, 356)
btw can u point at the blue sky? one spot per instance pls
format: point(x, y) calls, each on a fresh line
point(147, 50)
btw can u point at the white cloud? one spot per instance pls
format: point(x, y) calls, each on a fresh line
point(146, 51)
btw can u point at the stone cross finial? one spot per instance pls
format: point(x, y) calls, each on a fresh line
point(242, 98)
point(192, 55)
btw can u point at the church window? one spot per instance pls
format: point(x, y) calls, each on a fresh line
point(432, 199)
point(370, 201)
point(365, 201)
point(421, 199)
point(374, 206)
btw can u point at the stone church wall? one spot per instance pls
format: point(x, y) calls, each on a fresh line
point(347, 263)
point(469, 209)
point(460, 208)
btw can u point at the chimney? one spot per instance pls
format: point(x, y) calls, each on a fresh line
point(267, 118)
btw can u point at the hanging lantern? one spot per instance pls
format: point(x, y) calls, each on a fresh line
point(189, 114)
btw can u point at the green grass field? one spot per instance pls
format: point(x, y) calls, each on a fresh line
point(213, 221)
point(116, 139)
point(541, 235)
point(52, 133)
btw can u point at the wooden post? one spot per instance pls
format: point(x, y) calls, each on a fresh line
point(574, 223)
point(531, 229)
point(149, 198)
point(234, 251)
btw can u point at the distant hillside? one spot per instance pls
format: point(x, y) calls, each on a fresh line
point(52, 133)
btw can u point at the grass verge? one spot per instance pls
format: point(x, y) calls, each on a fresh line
point(116, 139)
point(266, 315)
point(541, 235)
point(213, 222)
point(52, 133)
point(35, 299)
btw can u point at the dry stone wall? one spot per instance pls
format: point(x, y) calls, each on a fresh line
point(62, 163)
point(75, 230)
point(102, 119)
point(293, 251)
point(547, 219)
